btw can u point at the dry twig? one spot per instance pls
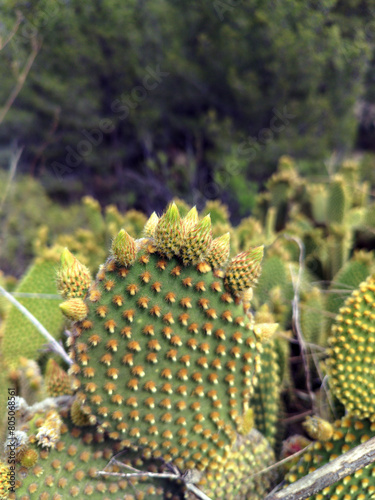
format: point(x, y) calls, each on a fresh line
point(35, 47)
point(328, 474)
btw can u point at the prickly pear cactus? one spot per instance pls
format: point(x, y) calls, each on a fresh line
point(165, 356)
point(266, 399)
point(58, 459)
point(238, 480)
point(347, 433)
point(351, 354)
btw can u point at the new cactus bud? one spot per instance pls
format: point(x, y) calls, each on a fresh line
point(318, 428)
point(74, 309)
point(265, 331)
point(190, 220)
point(124, 249)
point(57, 381)
point(197, 242)
point(169, 232)
point(150, 226)
point(73, 278)
point(218, 254)
point(244, 270)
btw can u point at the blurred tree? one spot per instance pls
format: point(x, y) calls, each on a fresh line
point(153, 99)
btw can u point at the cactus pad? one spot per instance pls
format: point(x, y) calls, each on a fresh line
point(249, 455)
point(166, 357)
point(69, 468)
point(351, 355)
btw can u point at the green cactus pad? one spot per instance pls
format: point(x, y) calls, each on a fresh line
point(351, 362)
point(69, 467)
point(166, 357)
point(266, 399)
point(347, 434)
point(249, 455)
point(20, 336)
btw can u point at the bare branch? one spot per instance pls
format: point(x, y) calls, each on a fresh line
point(21, 79)
point(13, 30)
point(154, 475)
point(55, 346)
point(16, 155)
point(328, 474)
point(296, 280)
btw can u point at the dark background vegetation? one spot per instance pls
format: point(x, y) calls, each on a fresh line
point(209, 125)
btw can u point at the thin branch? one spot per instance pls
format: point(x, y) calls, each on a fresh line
point(296, 280)
point(49, 296)
point(283, 461)
point(344, 465)
point(156, 475)
point(13, 30)
point(16, 155)
point(21, 79)
point(56, 347)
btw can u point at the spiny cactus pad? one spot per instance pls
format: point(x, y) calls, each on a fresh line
point(249, 455)
point(347, 433)
point(351, 361)
point(266, 399)
point(166, 357)
point(69, 467)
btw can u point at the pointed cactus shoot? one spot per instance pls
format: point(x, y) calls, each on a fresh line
point(150, 226)
point(190, 220)
point(169, 232)
point(73, 278)
point(74, 309)
point(219, 251)
point(244, 270)
point(123, 249)
point(197, 242)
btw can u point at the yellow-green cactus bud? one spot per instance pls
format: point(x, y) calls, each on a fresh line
point(244, 270)
point(150, 226)
point(318, 428)
point(57, 380)
point(29, 458)
point(74, 309)
point(190, 220)
point(197, 242)
point(169, 232)
point(265, 331)
point(73, 278)
point(219, 251)
point(124, 248)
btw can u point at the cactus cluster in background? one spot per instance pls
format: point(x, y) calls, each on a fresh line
point(187, 355)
